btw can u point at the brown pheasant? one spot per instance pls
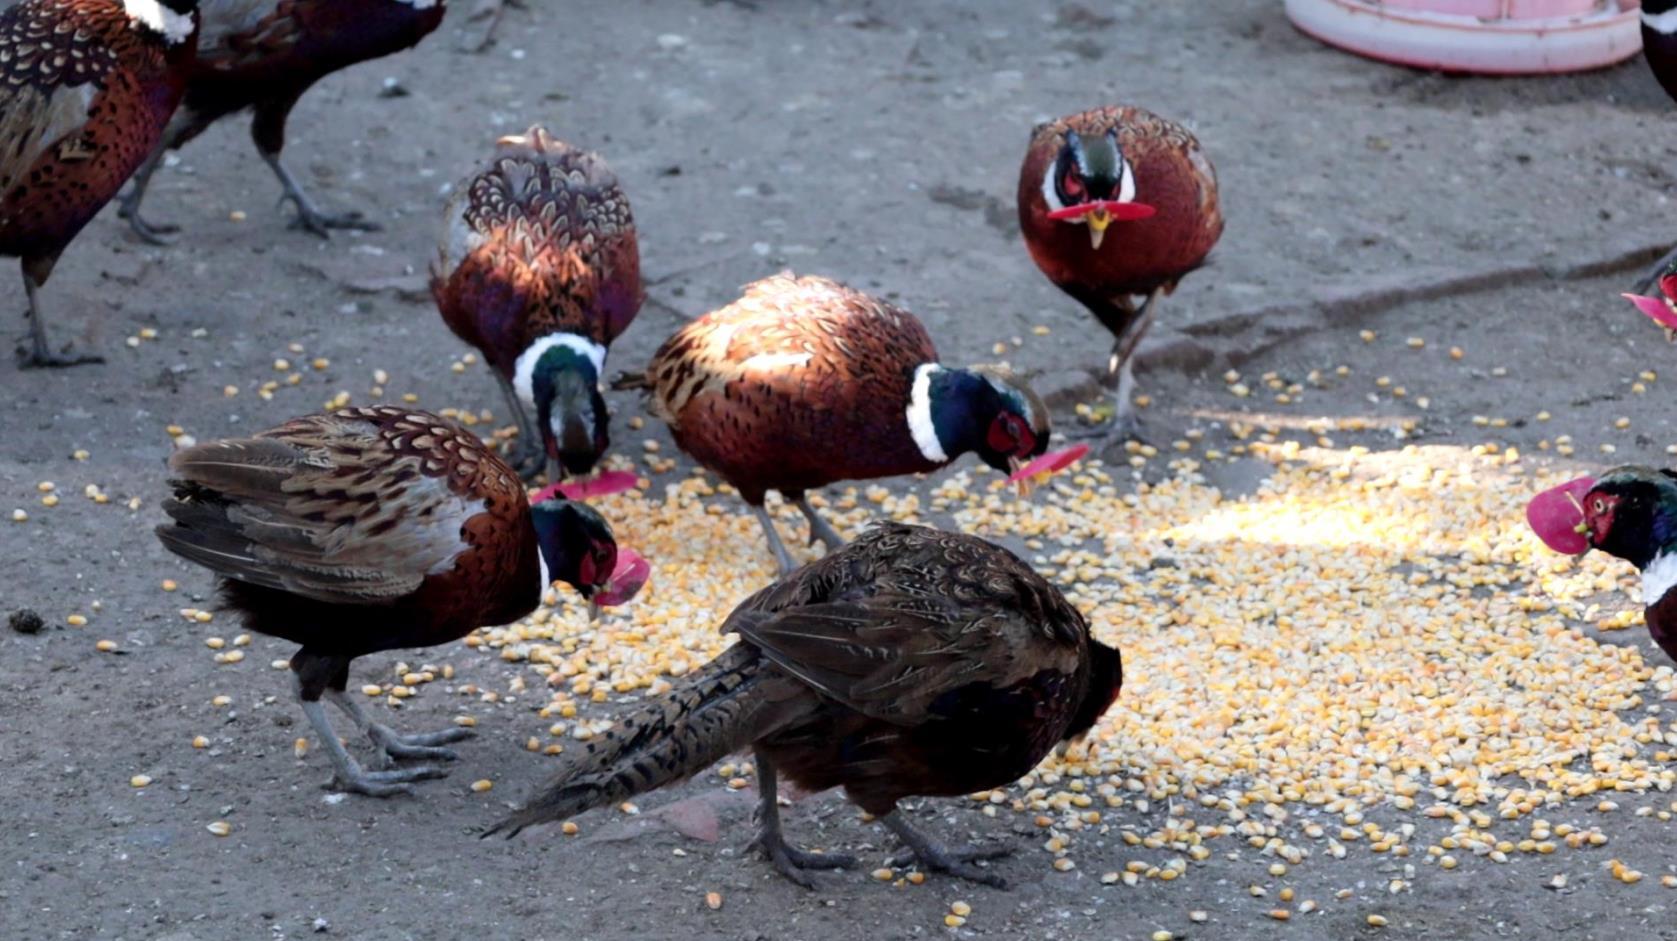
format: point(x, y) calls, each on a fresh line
point(911, 662)
point(264, 55)
point(804, 382)
point(538, 268)
point(374, 528)
point(86, 87)
point(1114, 203)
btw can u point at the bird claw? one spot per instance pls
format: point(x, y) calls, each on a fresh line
point(46, 359)
point(959, 862)
point(153, 233)
point(384, 783)
point(1111, 434)
point(419, 745)
point(527, 462)
point(322, 224)
point(794, 863)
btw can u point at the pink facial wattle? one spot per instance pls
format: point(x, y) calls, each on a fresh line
point(1556, 515)
point(608, 482)
point(1656, 308)
point(1119, 211)
point(627, 578)
point(1050, 463)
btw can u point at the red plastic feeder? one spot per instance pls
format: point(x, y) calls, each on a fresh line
point(1488, 37)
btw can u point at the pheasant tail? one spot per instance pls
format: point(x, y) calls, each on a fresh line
point(719, 711)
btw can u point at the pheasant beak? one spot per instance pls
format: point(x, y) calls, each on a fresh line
point(1098, 219)
point(1100, 214)
point(1023, 484)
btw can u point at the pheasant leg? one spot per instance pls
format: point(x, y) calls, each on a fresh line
point(348, 774)
point(782, 558)
point(425, 745)
point(939, 858)
point(527, 457)
point(155, 233)
point(818, 527)
point(793, 863)
point(309, 215)
point(41, 353)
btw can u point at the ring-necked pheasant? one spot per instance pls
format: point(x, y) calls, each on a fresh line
point(804, 382)
point(374, 528)
point(1629, 512)
point(1117, 203)
point(264, 55)
point(911, 662)
point(86, 87)
point(539, 269)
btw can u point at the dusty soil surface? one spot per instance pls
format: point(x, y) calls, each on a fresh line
point(877, 143)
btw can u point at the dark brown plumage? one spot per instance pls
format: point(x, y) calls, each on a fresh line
point(369, 529)
point(1088, 167)
point(911, 662)
point(86, 87)
point(538, 268)
point(803, 382)
point(263, 55)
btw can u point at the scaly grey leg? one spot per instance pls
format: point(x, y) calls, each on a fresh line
point(818, 527)
point(309, 215)
point(792, 862)
point(782, 558)
point(393, 743)
point(939, 858)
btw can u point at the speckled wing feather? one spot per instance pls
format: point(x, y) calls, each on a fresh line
point(549, 223)
point(357, 507)
point(47, 82)
point(791, 334)
point(904, 614)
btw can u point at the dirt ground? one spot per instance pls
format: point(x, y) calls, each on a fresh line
point(873, 142)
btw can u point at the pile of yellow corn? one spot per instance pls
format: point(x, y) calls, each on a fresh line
point(1368, 639)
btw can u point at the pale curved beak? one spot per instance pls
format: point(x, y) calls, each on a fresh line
point(1098, 219)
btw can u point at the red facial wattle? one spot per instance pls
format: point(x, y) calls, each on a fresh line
point(1668, 286)
point(1050, 463)
point(1557, 516)
point(603, 484)
point(1657, 308)
point(628, 576)
point(1119, 211)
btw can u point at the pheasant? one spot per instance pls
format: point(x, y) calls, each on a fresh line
point(264, 55)
point(374, 528)
point(912, 662)
point(1086, 172)
point(803, 382)
point(86, 87)
point(1629, 512)
point(539, 269)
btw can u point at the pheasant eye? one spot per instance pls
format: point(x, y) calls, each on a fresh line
point(1072, 184)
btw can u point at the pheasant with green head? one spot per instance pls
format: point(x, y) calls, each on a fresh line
point(539, 269)
point(1629, 512)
